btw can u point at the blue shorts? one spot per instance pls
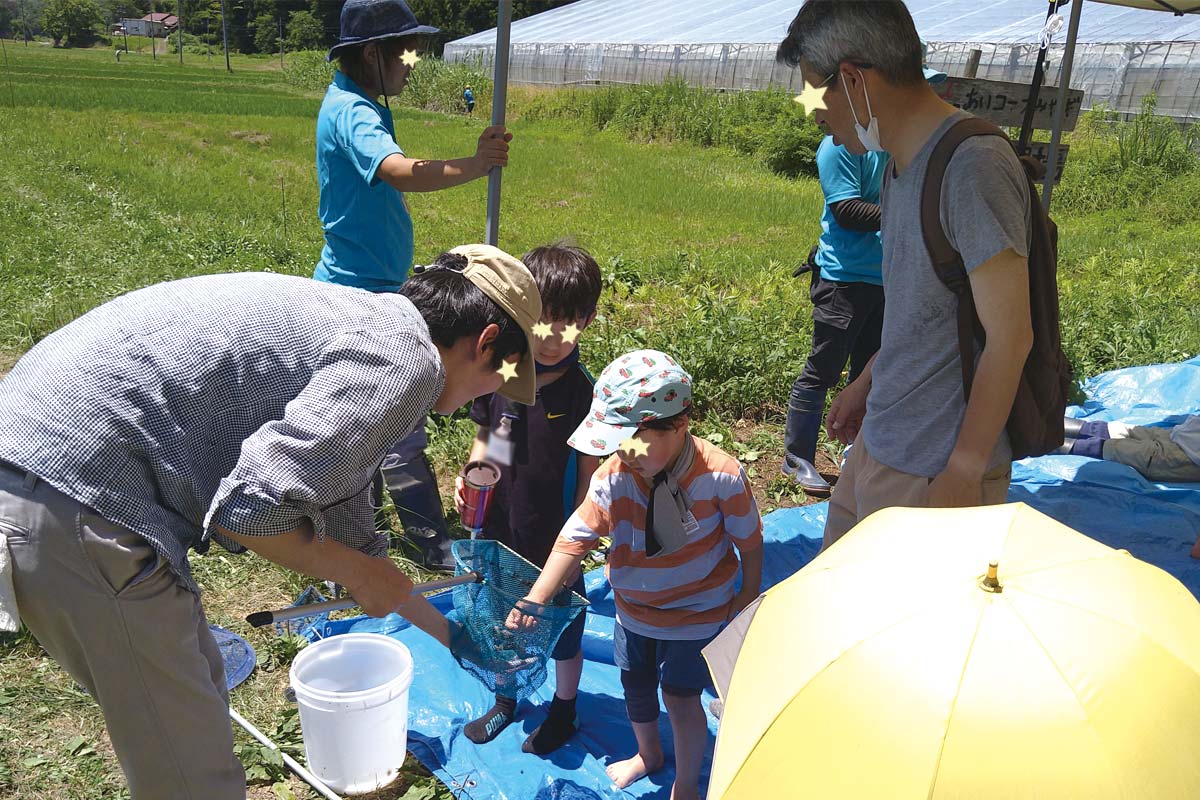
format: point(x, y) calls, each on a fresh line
point(571, 640)
point(674, 663)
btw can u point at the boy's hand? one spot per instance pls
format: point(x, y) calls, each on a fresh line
point(518, 620)
point(847, 411)
point(741, 601)
point(460, 500)
point(492, 150)
point(501, 663)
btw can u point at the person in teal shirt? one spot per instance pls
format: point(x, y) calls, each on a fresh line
point(847, 298)
point(363, 175)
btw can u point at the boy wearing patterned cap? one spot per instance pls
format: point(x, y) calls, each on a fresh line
point(675, 507)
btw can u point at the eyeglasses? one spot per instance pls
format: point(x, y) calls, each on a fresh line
point(828, 82)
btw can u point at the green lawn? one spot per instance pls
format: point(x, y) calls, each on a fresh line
point(119, 175)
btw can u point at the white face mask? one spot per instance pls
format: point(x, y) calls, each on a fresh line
point(869, 136)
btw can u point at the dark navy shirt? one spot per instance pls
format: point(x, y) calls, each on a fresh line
point(536, 494)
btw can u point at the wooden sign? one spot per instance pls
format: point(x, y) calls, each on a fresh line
point(1004, 103)
point(1041, 151)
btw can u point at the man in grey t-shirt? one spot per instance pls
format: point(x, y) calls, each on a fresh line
point(917, 442)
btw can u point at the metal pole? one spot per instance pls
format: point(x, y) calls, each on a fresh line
point(261, 618)
point(499, 100)
point(125, 35)
point(225, 37)
point(1035, 87)
point(179, 28)
point(293, 765)
point(1060, 108)
point(281, 40)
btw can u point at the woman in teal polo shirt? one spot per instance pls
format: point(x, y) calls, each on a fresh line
point(362, 175)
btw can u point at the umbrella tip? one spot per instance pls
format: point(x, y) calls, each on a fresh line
point(991, 581)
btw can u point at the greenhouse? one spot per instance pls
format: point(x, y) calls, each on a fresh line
point(1122, 54)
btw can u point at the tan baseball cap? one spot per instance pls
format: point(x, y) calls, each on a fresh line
point(508, 282)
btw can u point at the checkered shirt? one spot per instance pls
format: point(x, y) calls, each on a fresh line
point(250, 401)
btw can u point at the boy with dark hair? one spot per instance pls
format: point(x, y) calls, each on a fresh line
point(362, 175)
point(248, 409)
point(546, 480)
point(675, 507)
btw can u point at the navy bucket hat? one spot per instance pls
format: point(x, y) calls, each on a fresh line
point(365, 21)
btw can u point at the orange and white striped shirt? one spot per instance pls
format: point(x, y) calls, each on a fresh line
point(685, 594)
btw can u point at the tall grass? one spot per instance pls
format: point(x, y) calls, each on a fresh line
point(1125, 164)
point(433, 85)
point(768, 125)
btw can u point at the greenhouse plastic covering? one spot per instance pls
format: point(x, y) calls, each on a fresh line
point(1110, 502)
point(1122, 55)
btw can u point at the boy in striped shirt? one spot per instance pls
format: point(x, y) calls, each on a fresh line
point(675, 507)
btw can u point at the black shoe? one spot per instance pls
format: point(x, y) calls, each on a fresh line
point(805, 474)
point(560, 724)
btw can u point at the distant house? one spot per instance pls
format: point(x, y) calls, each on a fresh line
point(156, 25)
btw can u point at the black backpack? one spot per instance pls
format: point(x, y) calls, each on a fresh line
point(1035, 424)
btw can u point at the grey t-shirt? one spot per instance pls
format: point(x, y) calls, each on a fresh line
point(915, 407)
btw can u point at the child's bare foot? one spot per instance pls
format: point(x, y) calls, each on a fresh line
point(623, 773)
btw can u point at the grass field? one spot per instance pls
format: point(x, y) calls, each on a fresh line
point(120, 175)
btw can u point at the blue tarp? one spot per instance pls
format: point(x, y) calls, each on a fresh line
point(1156, 522)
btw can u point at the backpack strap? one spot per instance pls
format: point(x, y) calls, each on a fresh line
point(947, 262)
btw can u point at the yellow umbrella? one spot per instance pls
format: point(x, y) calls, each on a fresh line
point(892, 667)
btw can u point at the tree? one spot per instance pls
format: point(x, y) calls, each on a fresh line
point(71, 21)
point(7, 12)
point(116, 10)
point(27, 18)
point(266, 33)
point(304, 31)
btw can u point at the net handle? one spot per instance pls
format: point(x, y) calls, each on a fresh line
point(260, 618)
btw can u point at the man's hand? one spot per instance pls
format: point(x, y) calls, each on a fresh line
point(492, 150)
point(847, 411)
point(379, 587)
point(956, 487)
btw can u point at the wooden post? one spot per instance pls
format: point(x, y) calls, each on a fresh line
point(973, 63)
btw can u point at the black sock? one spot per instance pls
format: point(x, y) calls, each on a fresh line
point(488, 727)
point(559, 726)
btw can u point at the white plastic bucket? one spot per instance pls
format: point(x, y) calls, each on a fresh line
point(352, 691)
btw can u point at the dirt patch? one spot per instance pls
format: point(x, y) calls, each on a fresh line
point(771, 488)
point(253, 137)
